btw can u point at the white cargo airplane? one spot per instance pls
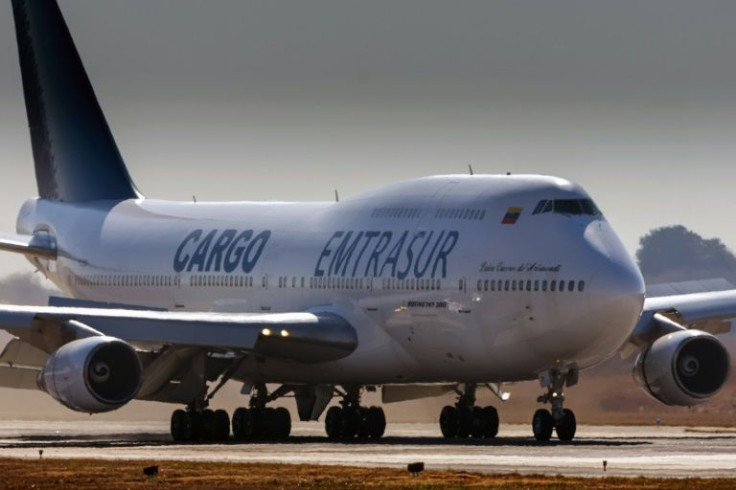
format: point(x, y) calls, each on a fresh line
point(439, 284)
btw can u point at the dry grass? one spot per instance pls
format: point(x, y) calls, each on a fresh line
point(96, 474)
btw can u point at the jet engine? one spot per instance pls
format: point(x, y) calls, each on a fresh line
point(94, 374)
point(683, 368)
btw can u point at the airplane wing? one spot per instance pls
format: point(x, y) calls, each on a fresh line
point(707, 311)
point(303, 336)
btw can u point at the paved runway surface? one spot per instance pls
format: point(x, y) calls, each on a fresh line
point(629, 451)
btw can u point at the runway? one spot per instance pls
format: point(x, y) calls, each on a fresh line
point(629, 451)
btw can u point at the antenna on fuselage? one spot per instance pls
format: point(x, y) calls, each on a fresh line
point(470, 169)
point(337, 196)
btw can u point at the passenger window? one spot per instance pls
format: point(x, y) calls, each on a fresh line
point(571, 286)
point(581, 286)
point(529, 285)
point(552, 285)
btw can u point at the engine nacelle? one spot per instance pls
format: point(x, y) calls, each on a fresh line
point(94, 374)
point(683, 368)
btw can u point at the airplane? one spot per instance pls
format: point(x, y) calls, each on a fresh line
point(449, 283)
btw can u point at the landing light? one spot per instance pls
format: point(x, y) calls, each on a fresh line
point(284, 333)
point(266, 332)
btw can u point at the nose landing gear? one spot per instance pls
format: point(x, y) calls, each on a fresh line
point(560, 419)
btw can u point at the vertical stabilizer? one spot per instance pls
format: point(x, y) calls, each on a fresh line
point(75, 154)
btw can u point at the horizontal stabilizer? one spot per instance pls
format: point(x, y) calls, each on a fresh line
point(36, 245)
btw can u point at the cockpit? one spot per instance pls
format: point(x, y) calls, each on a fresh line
point(568, 207)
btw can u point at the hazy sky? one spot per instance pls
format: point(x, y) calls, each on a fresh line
point(635, 100)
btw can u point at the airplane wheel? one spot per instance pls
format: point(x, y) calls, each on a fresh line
point(568, 425)
point(178, 425)
point(489, 422)
point(476, 422)
point(465, 422)
point(362, 422)
point(281, 423)
point(333, 422)
point(350, 422)
point(376, 422)
point(449, 422)
point(207, 432)
point(542, 425)
point(222, 425)
point(269, 423)
point(195, 425)
point(242, 424)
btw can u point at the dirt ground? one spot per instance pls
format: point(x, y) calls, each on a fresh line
point(119, 474)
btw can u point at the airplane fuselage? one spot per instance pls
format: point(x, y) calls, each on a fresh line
point(443, 278)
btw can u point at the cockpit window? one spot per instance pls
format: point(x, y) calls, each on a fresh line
point(567, 207)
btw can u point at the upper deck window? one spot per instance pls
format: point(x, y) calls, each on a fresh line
point(567, 207)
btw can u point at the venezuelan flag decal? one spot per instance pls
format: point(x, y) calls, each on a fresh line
point(512, 214)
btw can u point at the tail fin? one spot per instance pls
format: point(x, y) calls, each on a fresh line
point(75, 154)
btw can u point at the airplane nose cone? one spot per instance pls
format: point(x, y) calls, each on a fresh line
point(616, 294)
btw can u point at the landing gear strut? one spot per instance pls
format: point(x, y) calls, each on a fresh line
point(259, 421)
point(465, 419)
point(350, 420)
point(560, 419)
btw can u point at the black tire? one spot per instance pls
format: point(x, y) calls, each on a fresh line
point(542, 425)
point(465, 420)
point(363, 422)
point(195, 426)
point(489, 422)
point(241, 424)
point(222, 425)
point(178, 425)
point(449, 422)
point(376, 422)
point(209, 430)
point(350, 422)
point(567, 426)
point(333, 423)
point(476, 423)
point(269, 424)
point(258, 423)
point(281, 423)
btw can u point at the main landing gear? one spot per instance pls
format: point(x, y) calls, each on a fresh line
point(200, 424)
point(259, 421)
point(465, 419)
point(350, 420)
point(561, 420)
